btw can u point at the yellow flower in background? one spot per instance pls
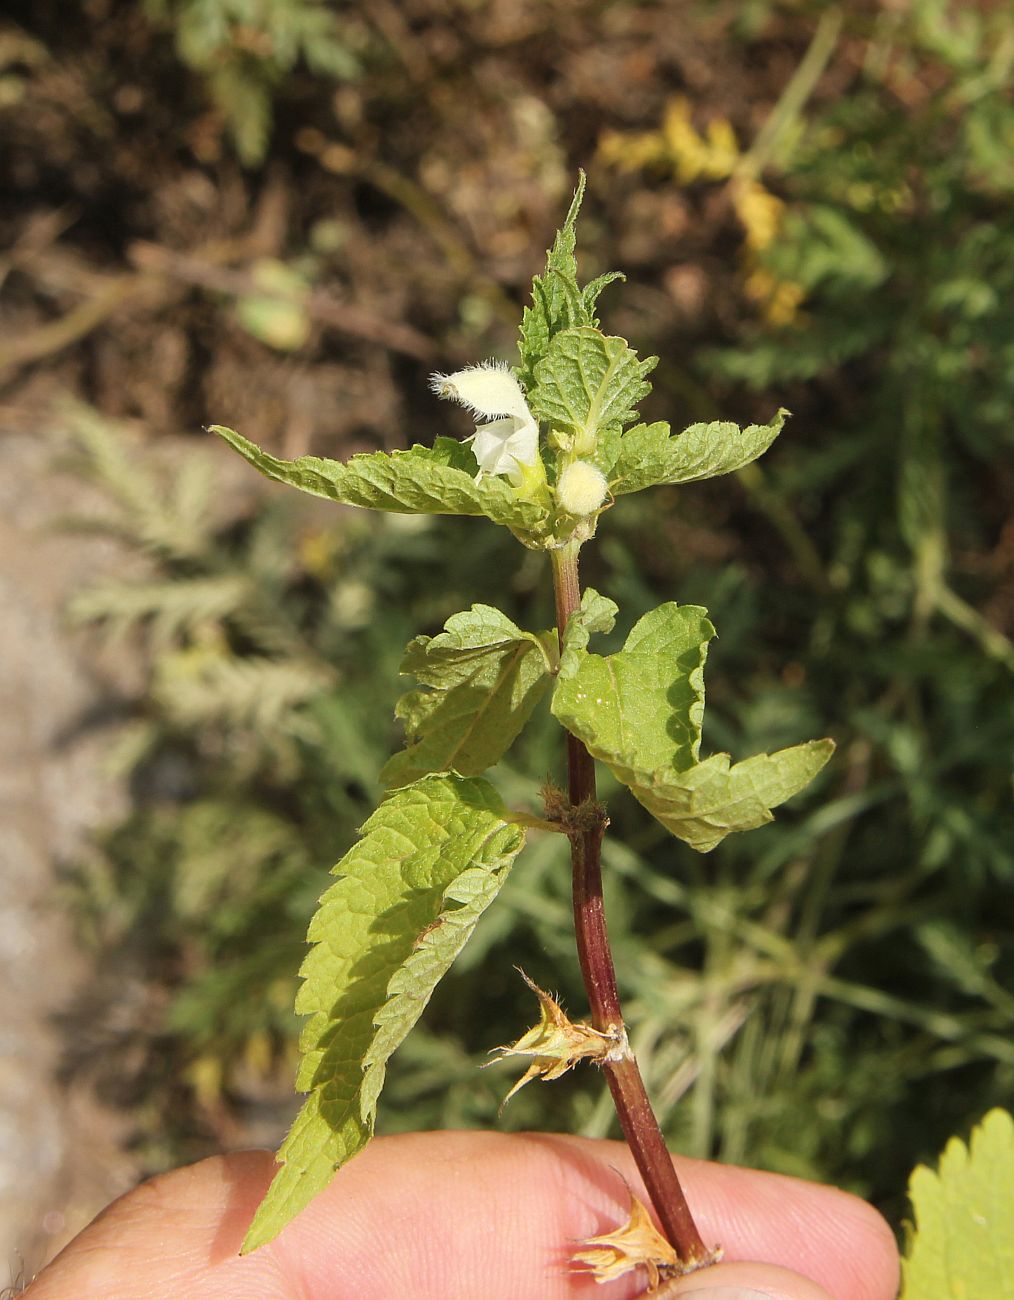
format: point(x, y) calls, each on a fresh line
point(678, 146)
point(761, 214)
point(759, 210)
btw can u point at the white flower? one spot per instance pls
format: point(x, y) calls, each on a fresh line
point(509, 440)
point(581, 488)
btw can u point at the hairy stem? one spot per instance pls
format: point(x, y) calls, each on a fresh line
point(637, 1119)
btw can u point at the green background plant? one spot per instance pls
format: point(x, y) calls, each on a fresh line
point(959, 1243)
point(247, 49)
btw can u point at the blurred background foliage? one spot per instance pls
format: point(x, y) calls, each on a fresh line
point(281, 214)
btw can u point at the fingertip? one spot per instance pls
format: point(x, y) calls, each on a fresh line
point(743, 1281)
point(820, 1232)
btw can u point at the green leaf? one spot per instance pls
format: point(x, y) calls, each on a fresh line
point(590, 293)
point(711, 800)
point(436, 480)
point(558, 303)
point(650, 454)
point(642, 708)
point(596, 614)
point(963, 1243)
point(640, 711)
point(819, 246)
point(408, 895)
point(487, 676)
point(588, 382)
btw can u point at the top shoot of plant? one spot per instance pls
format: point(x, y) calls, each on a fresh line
point(556, 441)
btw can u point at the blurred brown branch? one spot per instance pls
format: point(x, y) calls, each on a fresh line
point(159, 271)
point(193, 269)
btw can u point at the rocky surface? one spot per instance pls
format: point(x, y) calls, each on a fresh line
point(59, 1157)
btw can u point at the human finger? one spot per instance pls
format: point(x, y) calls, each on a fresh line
point(453, 1215)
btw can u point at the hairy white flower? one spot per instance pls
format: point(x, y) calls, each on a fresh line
point(508, 441)
point(581, 488)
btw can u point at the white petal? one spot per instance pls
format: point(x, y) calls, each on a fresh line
point(503, 446)
point(488, 390)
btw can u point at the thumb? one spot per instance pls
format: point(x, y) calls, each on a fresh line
point(743, 1282)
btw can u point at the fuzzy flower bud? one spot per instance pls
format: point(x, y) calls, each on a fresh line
point(581, 488)
point(508, 442)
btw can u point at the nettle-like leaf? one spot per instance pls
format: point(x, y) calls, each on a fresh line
point(650, 454)
point(557, 301)
point(596, 614)
point(641, 709)
point(712, 799)
point(408, 895)
point(640, 712)
point(590, 293)
point(437, 480)
point(963, 1242)
point(485, 676)
point(589, 384)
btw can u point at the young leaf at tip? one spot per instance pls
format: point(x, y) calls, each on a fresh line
point(558, 303)
point(587, 387)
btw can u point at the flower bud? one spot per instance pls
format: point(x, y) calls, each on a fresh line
point(581, 488)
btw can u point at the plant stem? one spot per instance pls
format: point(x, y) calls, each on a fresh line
point(637, 1119)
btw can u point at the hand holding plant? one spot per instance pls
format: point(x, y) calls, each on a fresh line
point(462, 1216)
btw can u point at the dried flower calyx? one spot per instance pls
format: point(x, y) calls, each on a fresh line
point(636, 1244)
point(556, 1044)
